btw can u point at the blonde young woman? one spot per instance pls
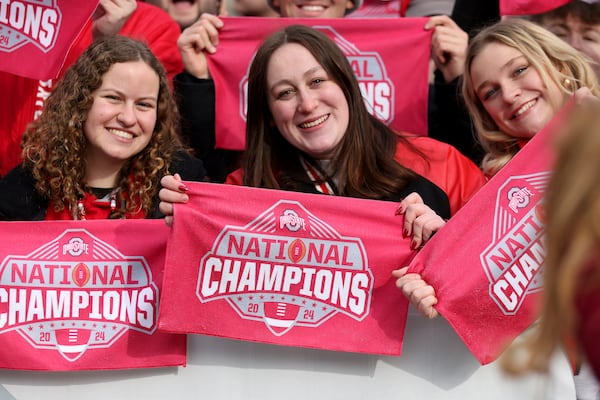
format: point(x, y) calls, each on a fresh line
point(517, 77)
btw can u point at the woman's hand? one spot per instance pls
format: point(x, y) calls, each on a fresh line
point(173, 191)
point(110, 16)
point(420, 221)
point(448, 46)
point(417, 291)
point(196, 40)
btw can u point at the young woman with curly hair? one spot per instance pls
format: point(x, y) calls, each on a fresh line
point(107, 135)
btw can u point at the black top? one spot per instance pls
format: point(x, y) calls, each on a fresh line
point(19, 200)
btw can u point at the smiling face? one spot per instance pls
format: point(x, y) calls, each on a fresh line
point(121, 120)
point(308, 108)
point(313, 8)
point(584, 37)
point(513, 92)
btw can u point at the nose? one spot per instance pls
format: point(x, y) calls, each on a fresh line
point(127, 115)
point(510, 92)
point(307, 101)
point(575, 40)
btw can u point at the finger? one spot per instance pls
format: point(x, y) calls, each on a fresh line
point(437, 20)
point(166, 208)
point(400, 272)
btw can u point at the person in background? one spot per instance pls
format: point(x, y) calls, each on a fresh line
point(577, 23)
point(571, 297)
point(186, 12)
point(107, 135)
point(23, 99)
point(250, 8)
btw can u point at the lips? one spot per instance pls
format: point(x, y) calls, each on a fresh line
point(521, 110)
point(311, 124)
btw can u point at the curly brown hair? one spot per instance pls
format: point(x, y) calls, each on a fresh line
point(54, 145)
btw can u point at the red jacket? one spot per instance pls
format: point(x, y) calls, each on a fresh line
point(443, 165)
point(23, 98)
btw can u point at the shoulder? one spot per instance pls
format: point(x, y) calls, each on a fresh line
point(19, 200)
point(187, 166)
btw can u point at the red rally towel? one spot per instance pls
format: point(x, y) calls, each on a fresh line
point(36, 35)
point(524, 7)
point(390, 58)
point(83, 295)
point(286, 268)
point(486, 263)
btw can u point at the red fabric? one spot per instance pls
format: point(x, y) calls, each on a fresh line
point(277, 232)
point(524, 7)
point(94, 209)
point(23, 98)
point(445, 166)
point(109, 286)
point(396, 86)
point(42, 36)
point(380, 9)
point(485, 264)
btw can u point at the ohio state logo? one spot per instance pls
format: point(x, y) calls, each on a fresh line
point(76, 293)
point(29, 21)
point(513, 261)
point(287, 268)
point(376, 87)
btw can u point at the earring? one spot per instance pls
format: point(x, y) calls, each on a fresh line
point(567, 81)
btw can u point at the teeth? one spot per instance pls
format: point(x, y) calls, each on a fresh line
point(316, 122)
point(313, 8)
point(524, 108)
point(120, 133)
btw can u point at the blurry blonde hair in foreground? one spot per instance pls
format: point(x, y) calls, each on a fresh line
point(572, 238)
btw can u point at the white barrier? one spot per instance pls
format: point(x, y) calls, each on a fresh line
point(435, 364)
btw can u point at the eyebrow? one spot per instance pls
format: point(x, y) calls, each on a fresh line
point(506, 66)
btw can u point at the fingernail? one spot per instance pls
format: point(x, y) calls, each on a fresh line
point(405, 232)
point(399, 210)
point(414, 245)
point(183, 188)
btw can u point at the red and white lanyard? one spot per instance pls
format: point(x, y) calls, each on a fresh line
point(318, 179)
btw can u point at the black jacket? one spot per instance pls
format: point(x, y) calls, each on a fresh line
point(19, 201)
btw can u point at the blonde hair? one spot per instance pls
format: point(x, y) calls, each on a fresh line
point(557, 63)
point(573, 239)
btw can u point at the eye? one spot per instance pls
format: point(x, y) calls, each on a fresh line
point(146, 105)
point(112, 97)
point(520, 70)
point(285, 93)
point(489, 93)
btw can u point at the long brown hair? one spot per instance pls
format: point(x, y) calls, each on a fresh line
point(364, 164)
point(54, 145)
